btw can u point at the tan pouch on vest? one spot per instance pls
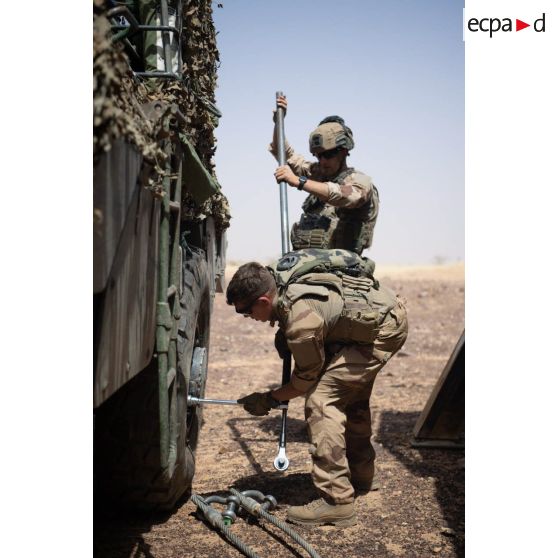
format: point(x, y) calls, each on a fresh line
point(359, 323)
point(356, 325)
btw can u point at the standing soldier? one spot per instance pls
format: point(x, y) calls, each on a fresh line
point(342, 207)
point(341, 327)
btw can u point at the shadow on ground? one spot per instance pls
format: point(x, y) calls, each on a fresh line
point(120, 533)
point(296, 432)
point(446, 467)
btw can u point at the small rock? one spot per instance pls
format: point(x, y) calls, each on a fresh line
point(437, 549)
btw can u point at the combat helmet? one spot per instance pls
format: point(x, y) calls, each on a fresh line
point(331, 133)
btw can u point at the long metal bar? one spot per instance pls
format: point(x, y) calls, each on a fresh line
point(282, 185)
point(164, 324)
point(178, 23)
point(137, 28)
point(168, 315)
point(166, 36)
point(174, 302)
point(201, 401)
point(281, 462)
point(166, 75)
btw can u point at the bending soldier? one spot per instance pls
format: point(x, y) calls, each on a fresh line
point(341, 329)
point(342, 206)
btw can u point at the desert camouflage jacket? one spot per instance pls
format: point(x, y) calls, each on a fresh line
point(355, 190)
point(346, 219)
point(308, 315)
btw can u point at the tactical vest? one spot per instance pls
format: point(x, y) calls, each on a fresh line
point(324, 226)
point(365, 304)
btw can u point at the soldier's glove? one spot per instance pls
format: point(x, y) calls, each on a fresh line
point(259, 404)
point(281, 344)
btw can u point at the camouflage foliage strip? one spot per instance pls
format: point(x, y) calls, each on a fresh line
point(119, 96)
point(117, 100)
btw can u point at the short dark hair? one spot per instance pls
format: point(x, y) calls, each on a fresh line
point(250, 281)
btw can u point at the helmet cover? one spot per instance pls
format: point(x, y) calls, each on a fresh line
point(331, 133)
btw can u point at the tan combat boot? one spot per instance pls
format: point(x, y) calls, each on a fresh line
point(319, 512)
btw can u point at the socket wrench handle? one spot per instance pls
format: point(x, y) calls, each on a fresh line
point(281, 462)
point(191, 400)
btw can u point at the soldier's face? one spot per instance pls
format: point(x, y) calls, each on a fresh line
point(331, 161)
point(260, 310)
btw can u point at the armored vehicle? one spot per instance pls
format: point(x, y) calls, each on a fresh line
point(159, 243)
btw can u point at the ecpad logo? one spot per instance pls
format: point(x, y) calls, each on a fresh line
point(493, 25)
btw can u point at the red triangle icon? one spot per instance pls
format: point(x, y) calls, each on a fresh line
point(519, 25)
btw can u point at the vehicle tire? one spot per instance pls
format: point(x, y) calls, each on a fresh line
point(127, 468)
point(193, 335)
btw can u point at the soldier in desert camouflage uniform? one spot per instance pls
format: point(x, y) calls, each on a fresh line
point(341, 330)
point(342, 207)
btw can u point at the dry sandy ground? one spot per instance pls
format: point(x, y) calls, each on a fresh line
point(418, 510)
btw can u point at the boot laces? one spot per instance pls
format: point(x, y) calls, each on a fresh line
point(315, 504)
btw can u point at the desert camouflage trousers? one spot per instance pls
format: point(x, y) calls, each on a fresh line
point(338, 415)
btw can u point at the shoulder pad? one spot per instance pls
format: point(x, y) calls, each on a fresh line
point(361, 179)
point(299, 290)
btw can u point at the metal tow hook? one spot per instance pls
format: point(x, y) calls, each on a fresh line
point(233, 503)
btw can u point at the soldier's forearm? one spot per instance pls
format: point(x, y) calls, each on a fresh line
point(319, 189)
point(286, 393)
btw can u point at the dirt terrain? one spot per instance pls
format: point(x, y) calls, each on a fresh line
point(418, 510)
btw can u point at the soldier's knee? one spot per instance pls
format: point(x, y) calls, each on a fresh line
point(313, 408)
point(324, 452)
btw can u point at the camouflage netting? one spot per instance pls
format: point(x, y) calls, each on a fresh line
point(201, 58)
point(118, 96)
point(217, 206)
point(117, 99)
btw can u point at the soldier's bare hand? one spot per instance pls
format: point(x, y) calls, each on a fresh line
point(285, 174)
point(281, 103)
